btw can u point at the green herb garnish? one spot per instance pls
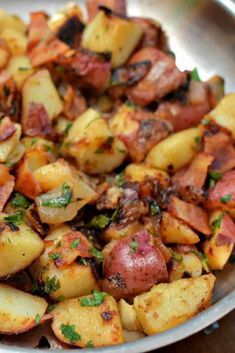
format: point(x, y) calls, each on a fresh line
point(215, 175)
point(97, 254)
point(69, 332)
point(154, 208)
point(34, 141)
point(226, 198)
point(48, 148)
point(176, 256)
point(37, 319)
point(195, 75)
point(83, 261)
point(61, 201)
point(20, 201)
point(54, 256)
point(99, 222)
point(68, 127)
point(204, 259)
point(205, 121)
point(95, 300)
point(120, 179)
point(51, 285)
point(14, 218)
point(133, 245)
point(90, 344)
point(131, 105)
point(99, 150)
point(75, 243)
point(217, 223)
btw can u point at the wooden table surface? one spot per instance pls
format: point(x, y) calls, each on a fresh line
point(220, 341)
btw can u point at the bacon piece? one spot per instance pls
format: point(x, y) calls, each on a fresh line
point(10, 97)
point(224, 187)
point(226, 232)
point(220, 146)
point(193, 215)
point(73, 244)
point(7, 129)
point(153, 35)
point(130, 74)
point(87, 69)
point(43, 47)
point(196, 173)
point(118, 6)
point(38, 122)
point(163, 77)
point(7, 183)
point(74, 103)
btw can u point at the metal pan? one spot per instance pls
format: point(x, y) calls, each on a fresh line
point(202, 34)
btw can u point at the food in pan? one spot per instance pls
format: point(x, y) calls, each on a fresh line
point(117, 174)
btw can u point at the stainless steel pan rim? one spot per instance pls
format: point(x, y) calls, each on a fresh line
point(201, 321)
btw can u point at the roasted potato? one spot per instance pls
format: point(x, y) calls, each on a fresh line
point(138, 172)
point(110, 33)
point(128, 316)
point(7, 145)
point(19, 245)
point(92, 144)
point(189, 265)
point(15, 39)
point(174, 230)
point(20, 68)
point(77, 325)
point(168, 305)
point(19, 311)
point(167, 154)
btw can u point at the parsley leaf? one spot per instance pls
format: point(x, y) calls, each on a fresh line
point(75, 243)
point(54, 256)
point(154, 208)
point(133, 245)
point(90, 344)
point(20, 201)
point(99, 222)
point(68, 127)
point(195, 75)
point(97, 254)
point(14, 218)
point(217, 223)
point(96, 300)
point(51, 285)
point(69, 332)
point(204, 259)
point(61, 201)
point(215, 175)
point(37, 319)
point(176, 256)
point(119, 180)
point(226, 198)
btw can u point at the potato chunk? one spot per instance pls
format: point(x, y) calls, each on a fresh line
point(129, 319)
point(19, 311)
point(138, 172)
point(16, 40)
point(19, 246)
point(175, 151)
point(39, 89)
point(168, 305)
point(93, 145)
point(176, 231)
point(7, 146)
point(109, 33)
point(20, 68)
point(78, 325)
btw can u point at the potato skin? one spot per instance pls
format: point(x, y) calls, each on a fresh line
point(129, 271)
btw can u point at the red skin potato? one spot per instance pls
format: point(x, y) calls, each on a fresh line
point(130, 272)
point(226, 234)
point(226, 186)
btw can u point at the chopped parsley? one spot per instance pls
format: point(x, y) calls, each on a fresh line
point(97, 254)
point(34, 141)
point(37, 319)
point(215, 175)
point(133, 245)
point(204, 259)
point(61, 201)
point(20, 201)
point(51, 307)
point(14, 218)
point(75, 243)
point(217, 223)
point(109, 141)
point(119, 180)
point(83, 261)
point(68, 127)
point(90, 344)
point(99, 222)
point(205, 121)
point(51, 285)
point(176, 256)
point(120, 150)
point(154, 208)
point(69, 332)
point(195, 75)
point(211, 183)
point(60, 69)
point(54, 256)
point(226, 198)
point(95, 300)
point(99, 150)
point(131, 105)
point(23, 68)
point(48, 148)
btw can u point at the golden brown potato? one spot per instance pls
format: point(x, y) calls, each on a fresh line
point(20, 68)
point(39, 89)
point(190, 264)
point(7, 146)
point(122, 123)
point(93, 145)
point(168, 305)
point(15, 39)
point(19, 311)
point(174, 230)
point(19, 246)
point(109, 33)
point(12, 21)
point(130, 336)
point(100, 325)
point(168, 154)
point(68, 281)
point(129, 319)
point(219, 247)
point(117, 231)
point(224, 113)
point(138, 172)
